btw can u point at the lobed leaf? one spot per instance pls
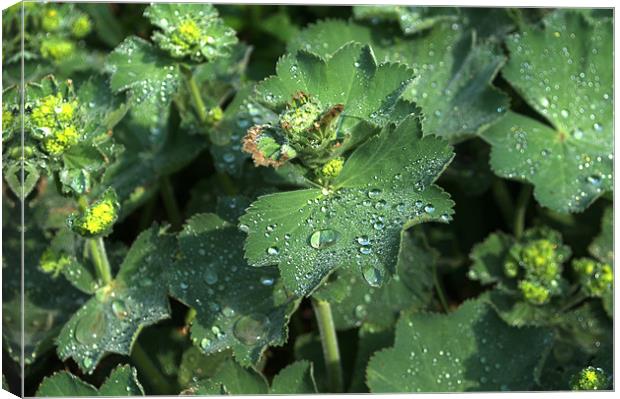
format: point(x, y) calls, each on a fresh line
point(123, 381)
point(469, 349)
point(385, 185)
point(565, 73)
point(237, 306)
point(111, 320)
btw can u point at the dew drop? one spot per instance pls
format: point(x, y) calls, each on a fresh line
point(363, 240)
point(372, 275)
point(374, 193)
point(251, 329)
point(273, 251)
point(323, 238)
point(210, 276)
point(119, 309)
point(429, 208)
point(204, 343)
point(90, 328)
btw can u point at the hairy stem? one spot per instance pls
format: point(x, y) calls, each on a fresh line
point(170, 203)
point(503, 200)
point(100, 259)
point(153, 375)
point(440, 291)
point(329, 341)
point(521, 208)
point(194, 91)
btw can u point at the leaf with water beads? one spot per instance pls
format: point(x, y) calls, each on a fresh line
point(385, 185)
point(565, 73)
point(354, 303)
point(122, 381)
point(149, 76)
point(237, 306)
point(350, 77)
point(412, 19)
point(471, 349)
point(111, 320)
point(452, 71)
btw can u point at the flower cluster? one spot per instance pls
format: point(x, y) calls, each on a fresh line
point(596, 278)
point(98, 218)
point(306, 129)
point(537, 262)
point(590, 379)
point(53, 263)
point(200, 35)
point(64, 25)
point(55, 120)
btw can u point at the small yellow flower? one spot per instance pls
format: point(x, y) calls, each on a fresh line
point(57, 49)
point(61, 140)
point(187, 34)
point(44, 114)
point(590, 379)
point(51, 20)
point(81, 27)
point(53, 264)
point(332, 168)
point(99, 217)
point(7, 118)
point(534, 292)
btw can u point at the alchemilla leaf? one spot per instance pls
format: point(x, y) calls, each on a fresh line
point(123, 381)
point(147, 73)
point(564, 72)
point(237, 306)
point(385, 185)
point(110, 321)
point(471, 349)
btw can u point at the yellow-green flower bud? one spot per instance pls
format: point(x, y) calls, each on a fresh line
point(332, 168)
point(300, 115)
point(590, 379)
point(98, 217)
point(7, 119)
point(57, 49)
point(511, 269)
point(44, 113)
point(186, 34)
point(215, 115)
point(596, 278)
point(51, 20)
point(52, 263)
point(61, 139)
point(81, 26)
point(541, 259)
point(534, 292)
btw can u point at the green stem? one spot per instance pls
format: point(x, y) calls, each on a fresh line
point(170, 203)
point(100, 259)
point(503, 200)
point(521, 208)
point(578, 298)
point(194, 92)
point(440, 291)
point(153, 375)
point(329, 341)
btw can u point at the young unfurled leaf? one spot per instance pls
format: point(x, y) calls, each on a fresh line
point(471, 349)
point(148, 74)
point(296, 378)
point(123, 381)
point(385, 185)
point(564, 72)
point(191, 30)
point(237, 306)
point(137, 297)
point(452, 71)
point(354, 303)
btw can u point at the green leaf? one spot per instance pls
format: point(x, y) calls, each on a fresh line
point(564, 72)
point(412, 19)
point(123, 381)
point(147, 74)
point(354, 303)
point(193, 30)
point(238, 306)
point(350, 77)
point(196, 365)
point(517, 312)
point(369, 342)
point(488, 259)
point(48, 301)
point(296, 378)
point(602, 248)
point(231, 379)
point(471, 349)
point(385, 185)
point(111, 320)
point(452, 71)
